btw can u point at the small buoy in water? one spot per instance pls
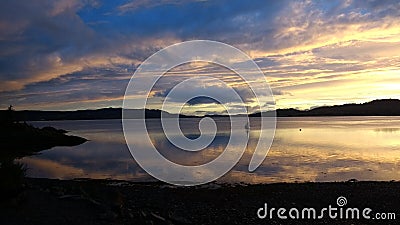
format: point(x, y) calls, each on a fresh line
point(300, 129)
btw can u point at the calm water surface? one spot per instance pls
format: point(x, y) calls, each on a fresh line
point(326, 149)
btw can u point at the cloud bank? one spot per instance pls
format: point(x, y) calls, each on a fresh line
point(80, 54)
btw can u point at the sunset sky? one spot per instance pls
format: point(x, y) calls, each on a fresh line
point(70, 54)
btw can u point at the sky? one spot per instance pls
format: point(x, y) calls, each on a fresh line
point(70, 54)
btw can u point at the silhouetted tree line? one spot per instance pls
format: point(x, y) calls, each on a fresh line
point(9, 116)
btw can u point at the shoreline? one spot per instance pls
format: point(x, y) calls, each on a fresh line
point(87, 201)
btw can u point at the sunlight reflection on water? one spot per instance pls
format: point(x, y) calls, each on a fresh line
point(326, 149)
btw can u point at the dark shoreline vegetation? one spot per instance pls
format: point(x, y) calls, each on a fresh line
point(19, 139)
point(384, 107)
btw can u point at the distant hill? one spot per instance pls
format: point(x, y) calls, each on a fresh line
point(385, 107)
point(96, 114)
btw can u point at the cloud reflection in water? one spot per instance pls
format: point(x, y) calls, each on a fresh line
point(327, 149)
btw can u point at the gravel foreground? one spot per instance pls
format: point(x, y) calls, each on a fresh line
point(46, 201)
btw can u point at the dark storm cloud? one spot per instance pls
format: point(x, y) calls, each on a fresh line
point(214, 91)
point(33, 33)
point(202, 100)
